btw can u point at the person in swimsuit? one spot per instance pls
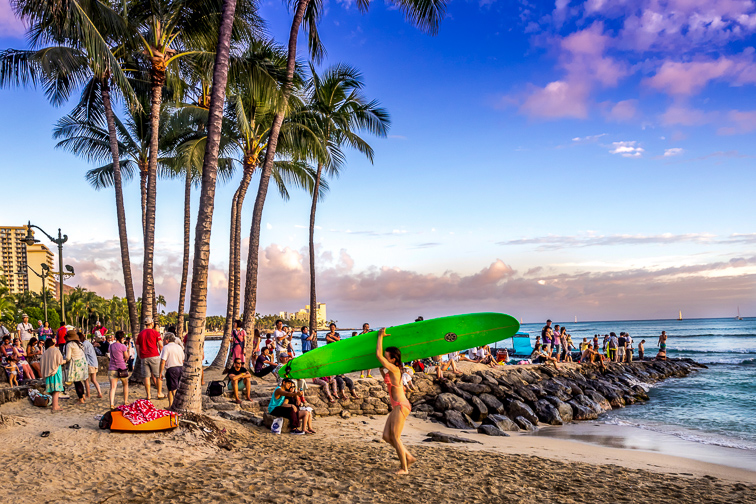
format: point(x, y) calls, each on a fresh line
point(662, 355)
point(12, 369)
point(391, 359)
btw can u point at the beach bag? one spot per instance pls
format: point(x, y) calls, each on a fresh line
point(38, 399)
point(122, 373)
point(275, 427)
point(106, 421)
point(215, 388)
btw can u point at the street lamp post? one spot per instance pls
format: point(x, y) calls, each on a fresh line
point(60, 240)
point(45, 273)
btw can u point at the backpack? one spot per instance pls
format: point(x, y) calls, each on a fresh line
point(106, 421)
point(215, 388)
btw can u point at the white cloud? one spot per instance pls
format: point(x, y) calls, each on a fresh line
point(675, 151)
point(268, 226)
point(589, 138)
point(627, 149)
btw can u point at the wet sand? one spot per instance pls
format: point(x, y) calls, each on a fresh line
point(344, 462)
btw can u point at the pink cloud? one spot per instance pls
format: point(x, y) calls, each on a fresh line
point(10, 25)
point(684, 116)
point(558, 99)
point(685, 79)
point(621, 111)
point(741, 122)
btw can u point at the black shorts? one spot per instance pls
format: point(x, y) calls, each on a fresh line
point(173, 377)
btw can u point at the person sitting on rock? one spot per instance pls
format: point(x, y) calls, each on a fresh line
point(470, 356)
point(486, 358)
point(546, 358)
point(407, 373)
point(281, 405)
point(236, 374)
point(263, 364)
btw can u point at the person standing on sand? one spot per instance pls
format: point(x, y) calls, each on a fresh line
point(51, 363)
point(172, 365)
point(92, 363)
point(391, 359)
point(368, 372)
point(148, 346)
point(119, 357)
point(78, 370)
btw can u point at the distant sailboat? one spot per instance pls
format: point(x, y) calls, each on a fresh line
point(738, 317)
point(576, 319)
point(680, 316)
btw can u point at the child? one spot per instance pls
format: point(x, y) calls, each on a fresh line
point(407, 373)
point(12, 369)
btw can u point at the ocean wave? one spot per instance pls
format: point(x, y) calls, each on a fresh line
point(730, 351)
point(710, 439)
point(707, 335)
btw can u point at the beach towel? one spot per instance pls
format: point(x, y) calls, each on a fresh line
point(142, 411)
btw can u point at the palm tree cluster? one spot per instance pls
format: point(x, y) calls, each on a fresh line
point(196, 89)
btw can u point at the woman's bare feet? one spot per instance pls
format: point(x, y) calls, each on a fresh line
point(410, 459)
point(402, 471)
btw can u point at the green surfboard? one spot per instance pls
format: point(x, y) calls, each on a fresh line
point(417, 340)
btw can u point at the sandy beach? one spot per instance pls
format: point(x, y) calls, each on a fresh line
point(343, 462)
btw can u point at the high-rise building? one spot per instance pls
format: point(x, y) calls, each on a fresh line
point(15, 256)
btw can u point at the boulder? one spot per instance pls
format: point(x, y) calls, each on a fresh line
point(440, 437)
point(491, 430)
point(520, 409)
point(448, 401)
point(526, 394)
point(456, 420)
point(488, 379)
point(600, 400)
point(547, 413)
point(564, 409)
point(580, 412)
point(453, 389)
point(525, 424)
point(471, 378)
point(494, 405)
point(501, 422)
point(480, 410)
point(425, 408)
point(474, 388)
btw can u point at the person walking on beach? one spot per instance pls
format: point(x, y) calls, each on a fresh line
point(391, 359)
point(51, 363)
point(368, 372)
point(172, 365)
point(148, 345)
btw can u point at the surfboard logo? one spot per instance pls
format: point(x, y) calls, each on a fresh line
point(450, 337)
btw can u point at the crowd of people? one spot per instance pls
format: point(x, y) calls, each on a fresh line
point(554, 345)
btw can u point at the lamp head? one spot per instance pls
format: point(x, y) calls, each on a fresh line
point(29, 238)
point(70, 269)
point(45, 267)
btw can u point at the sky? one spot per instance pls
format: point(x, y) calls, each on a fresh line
point(545, 159)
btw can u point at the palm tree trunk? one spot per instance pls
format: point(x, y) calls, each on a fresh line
point(148, 281)
point(250, 289)
point(220, 357)
point(313, 297)
point(128, 282)
point(188, 396)
point(143, 195)
point(249, 169)
point(185, 268)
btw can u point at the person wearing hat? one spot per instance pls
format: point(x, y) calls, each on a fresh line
point(24, 330)
point(149, 344)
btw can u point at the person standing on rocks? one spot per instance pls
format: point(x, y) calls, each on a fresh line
point(662, 343)
point(629, 349)
point(391, 359)
point(546, 335)
point(368, 372)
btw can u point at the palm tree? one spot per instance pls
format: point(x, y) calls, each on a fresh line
point(253, 101)
point(426, 14)
point(160, 301)
point(338, 112)
point(81, 35)
point(170, 31)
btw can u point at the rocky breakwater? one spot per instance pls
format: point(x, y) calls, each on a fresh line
point(517, 398)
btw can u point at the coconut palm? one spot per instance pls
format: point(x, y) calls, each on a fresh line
point(426, 14)
point(337, 111)
point(80, 35)
point(169, 31)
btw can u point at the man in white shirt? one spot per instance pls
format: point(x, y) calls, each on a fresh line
point(171, 364)
point(279, 337)
point(24, 330)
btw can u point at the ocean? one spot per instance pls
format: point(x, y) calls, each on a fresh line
point(714, 406)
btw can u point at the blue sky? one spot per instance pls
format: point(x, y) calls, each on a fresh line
point(545, 160)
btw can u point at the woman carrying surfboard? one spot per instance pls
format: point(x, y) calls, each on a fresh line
point(391, 359)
